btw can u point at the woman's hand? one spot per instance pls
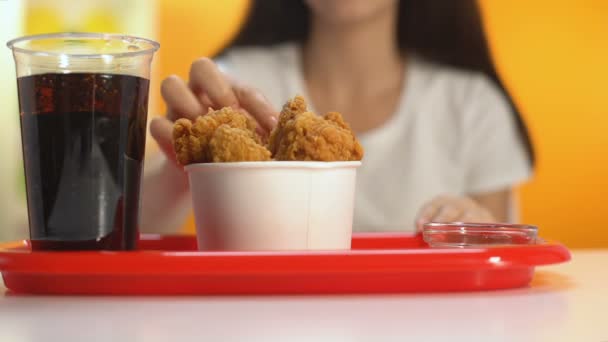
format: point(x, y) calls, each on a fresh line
point(207, 88)
point(165, 200)
point(453, 209)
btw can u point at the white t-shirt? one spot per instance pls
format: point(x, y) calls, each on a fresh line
point(453, 133)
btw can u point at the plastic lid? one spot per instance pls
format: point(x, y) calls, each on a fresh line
point(462, 235)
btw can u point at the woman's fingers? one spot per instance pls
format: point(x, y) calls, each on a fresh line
point(453, 209)
point(161, 130)
point(477, 214)
point(207, 80)
point(209, 88)
point(449, 212)
point(205, 101)
point(180, 100)
point(256, 105)
point(430, 210)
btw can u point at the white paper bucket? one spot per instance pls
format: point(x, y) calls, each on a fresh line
point(273, 205)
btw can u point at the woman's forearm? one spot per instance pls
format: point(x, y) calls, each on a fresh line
point(165, 197)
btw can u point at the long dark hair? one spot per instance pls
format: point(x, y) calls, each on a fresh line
point(448, 32)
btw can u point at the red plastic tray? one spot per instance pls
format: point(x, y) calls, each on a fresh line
point(378, 263)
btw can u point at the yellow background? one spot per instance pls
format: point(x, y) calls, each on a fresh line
point(553, 55)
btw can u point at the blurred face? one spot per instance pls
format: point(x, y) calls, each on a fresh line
point(350, 11)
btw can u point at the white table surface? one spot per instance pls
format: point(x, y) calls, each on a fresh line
point(567, 302)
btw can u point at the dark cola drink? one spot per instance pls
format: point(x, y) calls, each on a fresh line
point(83, 140)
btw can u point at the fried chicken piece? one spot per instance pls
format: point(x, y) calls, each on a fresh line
point(336, 118)
point(187, 146)
point(230, 144)
point(227, 135)
point(291, 109)
point(191, 139)
point(307, 136)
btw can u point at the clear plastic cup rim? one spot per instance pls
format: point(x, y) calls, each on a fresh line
point(151, 45)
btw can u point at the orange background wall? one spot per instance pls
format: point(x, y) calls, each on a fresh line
point(553, 56)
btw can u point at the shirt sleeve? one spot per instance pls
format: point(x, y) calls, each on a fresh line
point(494, 149)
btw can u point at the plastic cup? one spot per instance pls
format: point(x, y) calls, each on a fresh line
point(276, 205)
point(83, 101)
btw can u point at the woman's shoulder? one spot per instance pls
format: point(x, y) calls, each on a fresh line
point(457, 85)
point(457, 95)
point(456, 99)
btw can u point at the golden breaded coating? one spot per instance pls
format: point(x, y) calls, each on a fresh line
point(291, 109)
point(190, 140)
point(337, 119)
point(230, 144)
point(308, 136)
point(227, 135)
point(187, 146)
